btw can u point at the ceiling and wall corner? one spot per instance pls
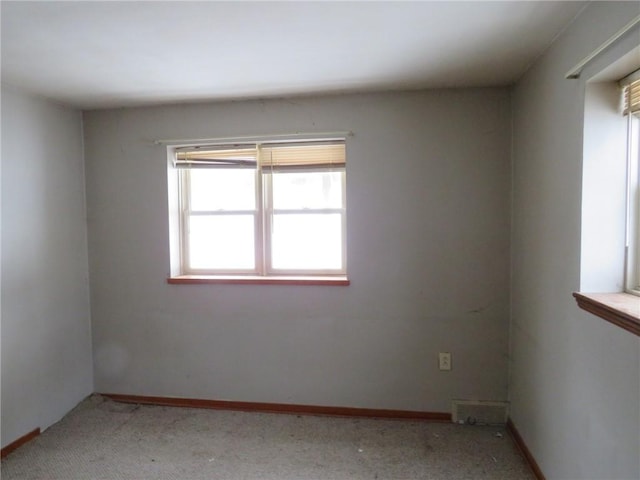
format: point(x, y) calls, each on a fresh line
point(113, 54)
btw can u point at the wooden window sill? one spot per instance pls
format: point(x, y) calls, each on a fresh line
point(257, 280)
point(621, 309)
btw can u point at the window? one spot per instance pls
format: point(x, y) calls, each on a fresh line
point(632, 111)
point(610, 220)
point(610, 234)
point(262, 209)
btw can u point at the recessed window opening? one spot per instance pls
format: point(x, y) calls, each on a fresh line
point(631, 99)
point(266, 208)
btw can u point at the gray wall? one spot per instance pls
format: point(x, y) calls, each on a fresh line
point(46, 332)
point(428, 246)
point(574, 378)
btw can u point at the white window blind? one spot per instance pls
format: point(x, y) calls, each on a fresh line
point(303, 155)
point(273, 156)
point(226, 156)
point(631, 86)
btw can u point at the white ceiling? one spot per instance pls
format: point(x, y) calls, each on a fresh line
point(108, 54)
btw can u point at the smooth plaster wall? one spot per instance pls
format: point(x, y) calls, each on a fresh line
point(604, 170)
point(574, 378)
point(428, 256)
point(46, 331)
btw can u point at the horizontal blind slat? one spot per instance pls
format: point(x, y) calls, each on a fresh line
point(632, 98)
point(212, 157)
point(303, 155)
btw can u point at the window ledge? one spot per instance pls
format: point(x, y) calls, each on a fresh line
point(257, 280)
point(621, 309)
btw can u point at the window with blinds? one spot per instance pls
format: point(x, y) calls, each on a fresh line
point(211, 157)
point(632, 97)
point(267, 209)
point(631, 102)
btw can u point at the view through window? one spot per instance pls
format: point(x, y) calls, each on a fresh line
point(263, 209)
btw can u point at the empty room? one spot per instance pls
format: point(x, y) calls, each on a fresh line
point(320, 240)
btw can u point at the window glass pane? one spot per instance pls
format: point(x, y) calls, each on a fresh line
point(222, 242)
point(306, 242)
point(297, 190)
point(634, 193)
point(223, 189)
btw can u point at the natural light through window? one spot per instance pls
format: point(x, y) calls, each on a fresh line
point(264, 209)
point(633, 192)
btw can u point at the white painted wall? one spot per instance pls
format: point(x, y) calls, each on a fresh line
point(604, 170)
point(428, 245)
point(46, 332)
point(574, 378)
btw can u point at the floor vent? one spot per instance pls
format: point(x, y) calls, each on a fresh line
point(478, 412)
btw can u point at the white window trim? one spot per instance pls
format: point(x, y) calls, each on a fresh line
point(632, 248)
point(186, 212)
point(262, 213)
point(268, 211)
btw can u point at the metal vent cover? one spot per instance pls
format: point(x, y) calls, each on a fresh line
point(479, 412)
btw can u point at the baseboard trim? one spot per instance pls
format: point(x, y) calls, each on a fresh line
point(281, 408)
point(525, 450)
point(19, 442)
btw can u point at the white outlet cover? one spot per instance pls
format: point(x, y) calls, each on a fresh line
point(444, 361)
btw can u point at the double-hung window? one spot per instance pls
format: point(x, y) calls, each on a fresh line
point(263, 209)
point(631, 88)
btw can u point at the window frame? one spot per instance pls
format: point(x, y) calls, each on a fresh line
point(615, 304)
point(632, 247)
point(269, 210)
point(263, 215)
point(186, 212)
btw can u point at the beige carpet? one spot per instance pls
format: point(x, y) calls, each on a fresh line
point(101, 439)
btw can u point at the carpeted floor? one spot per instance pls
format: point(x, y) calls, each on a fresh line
point(102, 439)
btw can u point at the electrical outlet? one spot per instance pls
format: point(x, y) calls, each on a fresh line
point(444, 361)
